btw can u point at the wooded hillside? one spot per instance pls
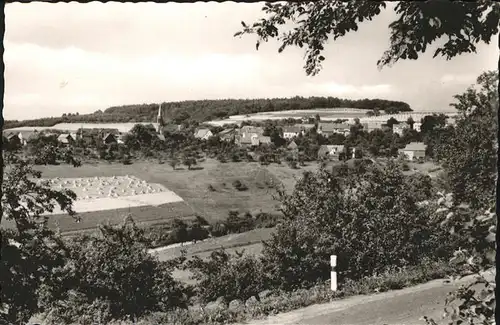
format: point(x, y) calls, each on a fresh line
point(204, 110)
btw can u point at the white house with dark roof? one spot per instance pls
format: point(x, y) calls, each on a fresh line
point(328, 129)
point(109, 138)
point(417, 126)
point(203, 134)
point(399, 128)
point(292, 146)
point(292, 131)
point(413, 150)
point(66, 138)
point(330, 151)
point(228, 135)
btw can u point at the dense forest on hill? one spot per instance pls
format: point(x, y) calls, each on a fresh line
point(205, 110)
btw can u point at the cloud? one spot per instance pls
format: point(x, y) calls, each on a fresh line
point(462, 79)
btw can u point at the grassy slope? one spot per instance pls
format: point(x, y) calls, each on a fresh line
point(191, 185)
point(250, 242)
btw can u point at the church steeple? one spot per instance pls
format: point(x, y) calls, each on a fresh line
point(159, 119)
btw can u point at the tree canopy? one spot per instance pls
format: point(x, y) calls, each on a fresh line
point(458, 25)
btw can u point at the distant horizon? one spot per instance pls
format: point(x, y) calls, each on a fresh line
point(449, 110)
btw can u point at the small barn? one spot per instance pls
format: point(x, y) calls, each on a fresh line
point(203, 134)
point(332, 152)
point(264, 139)
point(228, 135)
point(291, 132)
point(109, 138)
point(413, 151)
point(66, 138)
point(13, 139)
point(292, 146)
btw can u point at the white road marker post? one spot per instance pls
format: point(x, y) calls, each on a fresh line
point(333, 273)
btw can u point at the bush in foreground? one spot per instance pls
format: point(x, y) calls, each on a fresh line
point(229, 276)
point(370, 220)
point(285, 301)
point(111, 276)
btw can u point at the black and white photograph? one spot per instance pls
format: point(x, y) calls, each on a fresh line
point(297, 163)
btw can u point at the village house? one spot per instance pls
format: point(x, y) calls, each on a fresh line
point(250, 135)
point(228, 135)
point(248, 129)
point(30, 136)
point(305, 126)
point(253, 139)
point(264, 139)
point(109, 138)
point(413, 151)
point(399, 128)
point(370, 126)
point(417, 126)
point(171, 128)
point(203, 134)
point(66, 138)
point(120, 138)
point(290, 132)
point(20, 138)
point(13, 139)
point(332, 152)
point(328, 129)
point(292, 146)
point(161, 137)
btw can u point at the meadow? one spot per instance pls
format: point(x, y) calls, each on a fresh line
point(207, 190)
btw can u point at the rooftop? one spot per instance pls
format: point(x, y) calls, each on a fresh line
point(417, 146)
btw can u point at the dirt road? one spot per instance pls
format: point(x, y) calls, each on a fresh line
point(400, 307)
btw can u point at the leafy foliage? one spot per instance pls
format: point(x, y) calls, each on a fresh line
point(419, 24)
point(371, 220)
point(230, 276)
point(476, 231)
point(469, 151)
point(30, 250)
point(111, 276)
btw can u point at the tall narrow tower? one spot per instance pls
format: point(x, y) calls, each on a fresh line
point(159, 119)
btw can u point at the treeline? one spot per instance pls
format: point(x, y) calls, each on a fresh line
point(97, 117)
point(205, 110)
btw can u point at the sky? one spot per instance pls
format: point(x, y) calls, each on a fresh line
point(72, 57)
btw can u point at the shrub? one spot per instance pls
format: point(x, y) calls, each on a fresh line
point(223, 275)
point(237, 224)
point(370, 221)
point(218, 229)
point(202, 221)
point(197, 232)
point(266, 220)
point(111, 276)
point(240, 186)
point(179, 232)
point(292, 164)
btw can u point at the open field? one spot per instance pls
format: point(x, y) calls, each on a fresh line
point(190, 185)
point(326, 114)
point(143, 215)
